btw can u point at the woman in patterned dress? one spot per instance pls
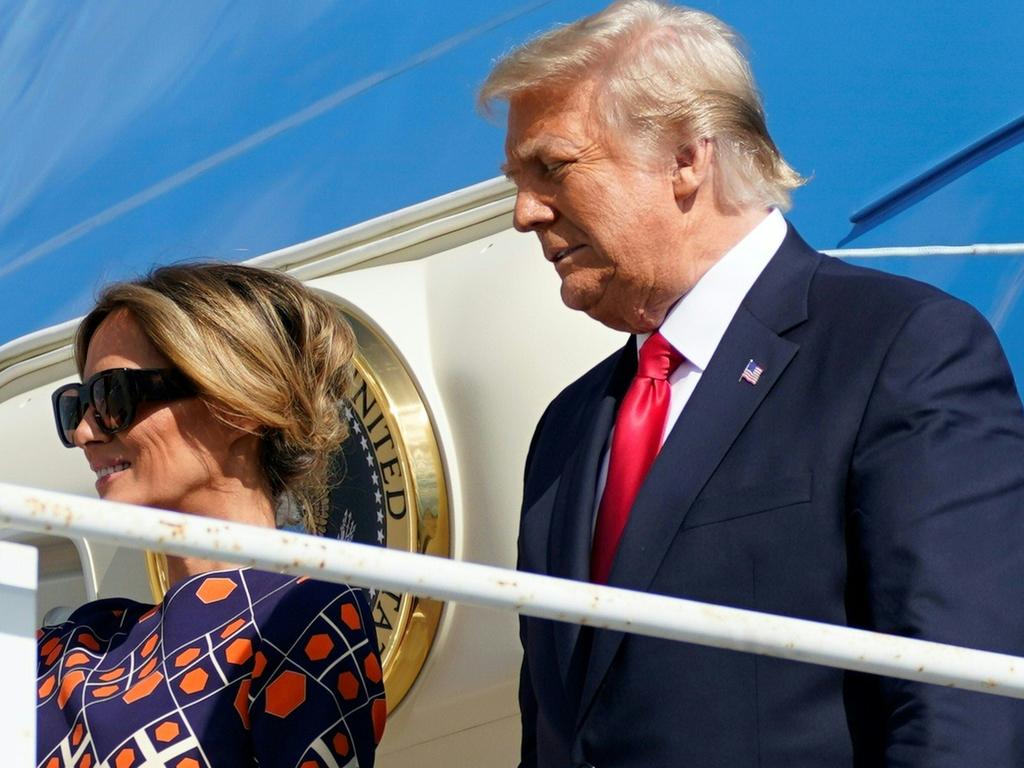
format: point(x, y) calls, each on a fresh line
point(213, 390)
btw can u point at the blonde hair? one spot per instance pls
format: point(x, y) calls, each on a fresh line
point(259, 346)
point(662, 73)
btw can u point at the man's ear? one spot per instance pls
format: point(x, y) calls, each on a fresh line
point(692, 167)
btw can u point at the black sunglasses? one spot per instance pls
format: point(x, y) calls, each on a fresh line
point(114, 395)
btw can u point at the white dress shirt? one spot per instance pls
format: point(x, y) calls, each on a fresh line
point(698, 321)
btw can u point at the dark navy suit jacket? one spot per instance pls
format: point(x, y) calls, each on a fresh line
point(873, 477)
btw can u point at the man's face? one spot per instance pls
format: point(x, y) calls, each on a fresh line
point(605, 213)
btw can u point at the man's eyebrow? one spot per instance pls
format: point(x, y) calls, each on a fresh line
point(531, 149)
point(525, 150)
point(510, 167)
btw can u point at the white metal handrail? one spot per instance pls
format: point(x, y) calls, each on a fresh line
point(530, 594)
point(915, 251)
point(18, 570)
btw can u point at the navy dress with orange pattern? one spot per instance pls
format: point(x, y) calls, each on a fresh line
point(233, 668)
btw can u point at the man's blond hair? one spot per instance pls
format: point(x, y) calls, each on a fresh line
point(662, 74)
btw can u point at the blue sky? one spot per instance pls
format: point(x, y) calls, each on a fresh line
point(141, 132)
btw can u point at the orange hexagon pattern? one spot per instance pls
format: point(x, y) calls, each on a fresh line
point(143, 688)
point(371, 666)
point(47, 687)
point(350, 616)
point(67, 686)
point(286, 693)
point(194, 681)
point(233, 627)
point(113, 674)
point(148, 667)
point(149, 614)
point(186, 657)
point(239, 651)
point(125, 758)
point(214, 589)
point(95, 671)
point(167, 732)
point(348, 686)
point(75, 659)
point(259, 664)
point(318, 647)
point(340, 744)
point(242, 702)
point(379, 712)
point(53, 653)
point(150, 645)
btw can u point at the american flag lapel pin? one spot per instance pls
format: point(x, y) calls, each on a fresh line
point(751, 373)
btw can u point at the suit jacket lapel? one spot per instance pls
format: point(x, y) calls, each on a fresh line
point(569, 540)
point(712, 419)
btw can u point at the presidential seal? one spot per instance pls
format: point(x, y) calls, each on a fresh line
point(389, 490)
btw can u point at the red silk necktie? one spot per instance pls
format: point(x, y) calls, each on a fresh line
point(635, 443)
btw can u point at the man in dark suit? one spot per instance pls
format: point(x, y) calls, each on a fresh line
point(782, 432)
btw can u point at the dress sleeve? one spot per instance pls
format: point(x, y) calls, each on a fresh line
point(937, 532)
point(316, 696)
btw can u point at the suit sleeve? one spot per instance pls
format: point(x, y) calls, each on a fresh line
point(527, 698)
point(528, 716)
point(937, 529)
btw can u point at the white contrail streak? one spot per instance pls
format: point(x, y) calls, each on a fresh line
point(254, 140)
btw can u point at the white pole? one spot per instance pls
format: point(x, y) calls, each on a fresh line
point(533, 595)
point(18, 577)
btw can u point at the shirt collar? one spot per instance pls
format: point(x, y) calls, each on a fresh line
point(697, 322)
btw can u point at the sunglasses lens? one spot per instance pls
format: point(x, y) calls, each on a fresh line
point(114, 395)
point(69, 410)
point(112, 400)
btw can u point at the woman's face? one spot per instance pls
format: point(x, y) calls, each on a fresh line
point(175, 455)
